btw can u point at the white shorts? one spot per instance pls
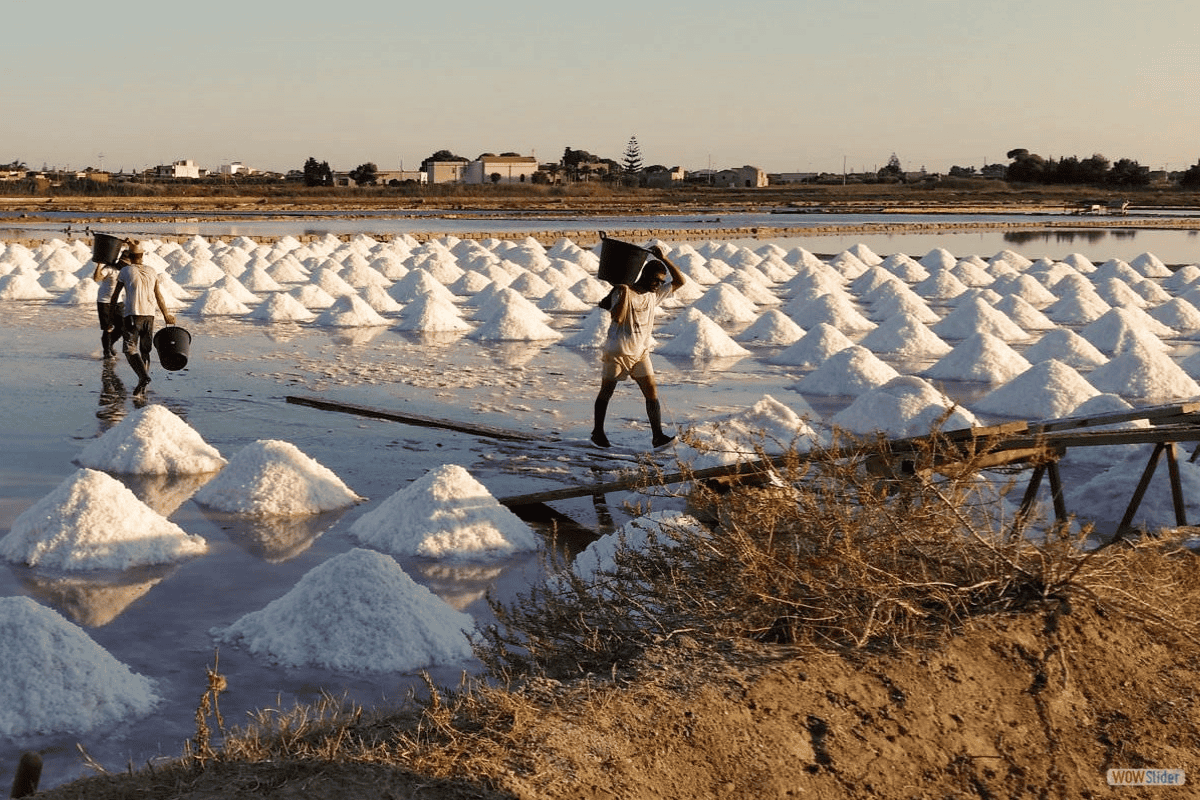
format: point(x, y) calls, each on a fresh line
point(619, 368)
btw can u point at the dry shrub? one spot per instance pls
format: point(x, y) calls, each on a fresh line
point(832, 555)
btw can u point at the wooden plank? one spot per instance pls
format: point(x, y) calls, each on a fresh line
point(1173, 412)
point(415, 419)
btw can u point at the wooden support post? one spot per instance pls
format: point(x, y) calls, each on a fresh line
point(1026, 507)
point(29, 774)
point(1176, 486)
point(1056, 493)
point(1140, 491)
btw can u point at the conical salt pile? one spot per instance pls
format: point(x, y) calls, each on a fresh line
point(1144, 373)
point(350, 311)
point(1046, 390)
point(725, 305)
point(977, 316)
point(282, 307)
point(696, 336)
point(444, 514)
point(905, 336)
point(1066, 346)
point(772, 327)
point(979, 357)
point(152, 441)
point(848, 372)
point(92, 521)
point(57, 679)
point(357, 612)
point(813, 348)
point(270, 477)
point(904, 406)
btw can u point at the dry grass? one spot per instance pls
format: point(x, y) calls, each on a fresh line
point(833, 556)
point(829, 557)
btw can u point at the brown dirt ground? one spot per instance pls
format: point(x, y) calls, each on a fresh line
point(1035, 705)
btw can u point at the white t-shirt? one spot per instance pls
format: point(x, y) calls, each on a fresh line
point(139, 281)
point(632, 325)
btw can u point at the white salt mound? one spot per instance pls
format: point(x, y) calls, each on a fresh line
point(697, 336)
point(600, 556)
point(270, 477)
point(847, 372)
point(904, 406)
point(768, 425)
point(93, 521)
point(445, 514)
point(357, 612)
point(152, 441)
point(1048, 389)
point(56, 679)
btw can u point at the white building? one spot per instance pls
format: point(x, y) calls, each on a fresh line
point(235, 168)
point(745, 177)
point(445, 171)
point(178, 169)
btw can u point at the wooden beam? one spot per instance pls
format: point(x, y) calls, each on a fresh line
point(416, 419)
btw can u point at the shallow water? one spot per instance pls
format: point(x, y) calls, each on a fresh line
point(56, 395)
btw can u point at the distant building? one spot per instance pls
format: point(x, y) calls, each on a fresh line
point(235, 168)
point(509, 169)
point(445, 171)
point(178, 169)
point(386, 176)
point(743, 177)
point(664, 178)
point(792, 177)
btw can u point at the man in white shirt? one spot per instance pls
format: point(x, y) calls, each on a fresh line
point(142, 293)
point(626, 352)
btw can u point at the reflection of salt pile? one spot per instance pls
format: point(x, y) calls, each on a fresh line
point(904, 406)
point(847, 372)
point(768, 426)
point(444, 514)
point(697, 336)
point(91, 521)
point(94, 601)
point(358, 612)
point(56, 679)
point(274, 477)
point(152, 441)
point(1050, 387)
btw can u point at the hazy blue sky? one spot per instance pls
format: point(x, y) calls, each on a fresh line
point(787, 85)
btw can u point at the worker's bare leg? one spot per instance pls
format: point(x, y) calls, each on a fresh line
point(607, 387)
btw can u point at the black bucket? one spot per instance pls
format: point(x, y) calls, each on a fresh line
point(620, 262)
point(106, 249)
point(172, 344)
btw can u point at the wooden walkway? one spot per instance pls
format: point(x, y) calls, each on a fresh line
point(1038, 445)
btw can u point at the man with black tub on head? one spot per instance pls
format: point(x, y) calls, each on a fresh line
point(142, 293)
point(626, 351)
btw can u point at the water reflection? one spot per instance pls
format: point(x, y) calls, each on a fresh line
point(165, 493)
point(94, 600)
point(273, 539)
point(459, 585)
point(112, 396)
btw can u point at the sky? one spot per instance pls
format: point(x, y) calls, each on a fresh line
point(785, 85)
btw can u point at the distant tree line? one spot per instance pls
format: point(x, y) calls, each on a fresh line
point(1095, 170)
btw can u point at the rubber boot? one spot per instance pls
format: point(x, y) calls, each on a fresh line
point(654, 413)
point(139, 367)
point(600, 412)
